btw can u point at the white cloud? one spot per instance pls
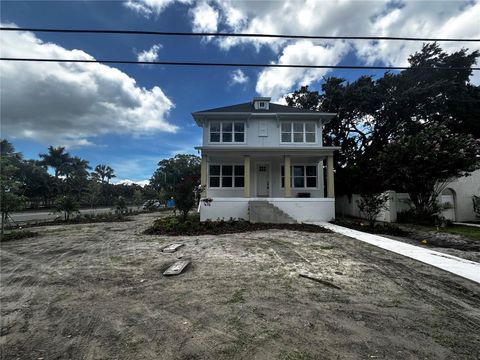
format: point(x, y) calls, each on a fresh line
point(148, 8)
point(142, 183)
point(70, 103)
point(343, 17)
point(275, 82)
point(238, 77)
point(150, 54)
point(204, 18)
point(350, 17)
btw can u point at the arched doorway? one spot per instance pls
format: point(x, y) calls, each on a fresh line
point(447, 201)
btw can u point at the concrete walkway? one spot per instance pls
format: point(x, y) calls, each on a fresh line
point(458, 266)
point(466, 224)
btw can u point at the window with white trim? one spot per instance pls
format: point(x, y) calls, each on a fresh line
point(227, 132)
point(298, 132)
point(226, 176)
point(301, 176)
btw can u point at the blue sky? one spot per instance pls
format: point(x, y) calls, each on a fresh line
point(134, 117)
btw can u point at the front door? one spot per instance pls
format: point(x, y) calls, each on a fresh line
point(263, 180)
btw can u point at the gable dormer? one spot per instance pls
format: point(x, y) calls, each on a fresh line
point(261, 103)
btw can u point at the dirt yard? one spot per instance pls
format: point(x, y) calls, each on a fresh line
point(96, 291)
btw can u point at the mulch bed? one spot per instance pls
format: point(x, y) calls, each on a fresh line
point(172, 226)
point(362, 225)
point(17, 235)
point(73, 221)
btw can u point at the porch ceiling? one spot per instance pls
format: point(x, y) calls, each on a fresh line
point(263, 151)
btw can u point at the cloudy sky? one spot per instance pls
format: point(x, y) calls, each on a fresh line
point(131, 116)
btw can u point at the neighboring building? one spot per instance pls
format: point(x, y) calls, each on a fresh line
point(456, 198)
point(264, 162)
point(459, 194)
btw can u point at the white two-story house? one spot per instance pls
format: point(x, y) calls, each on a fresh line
point(265, 162)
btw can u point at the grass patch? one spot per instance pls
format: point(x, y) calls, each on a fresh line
point(18, 234)
point(468, 231)
point(173, 226)
point(237, 297)
point(115, 259)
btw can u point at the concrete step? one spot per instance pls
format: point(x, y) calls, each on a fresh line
point(261, 211)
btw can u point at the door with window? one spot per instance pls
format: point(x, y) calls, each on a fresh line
point(263, 180)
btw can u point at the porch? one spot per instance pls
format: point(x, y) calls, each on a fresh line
point(297, 182)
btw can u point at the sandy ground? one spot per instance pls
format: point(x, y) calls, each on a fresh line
point(96, 291)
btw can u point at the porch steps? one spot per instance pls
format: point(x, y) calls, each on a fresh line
point(261, 211)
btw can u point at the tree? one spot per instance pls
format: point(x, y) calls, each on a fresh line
point(184, 196)
point(373, 112)
point(138, 197)
point(423, 164)
point(36, 183)
point(10, 199)
point(56, 158)
point(172, 171)
point(66, 205)
point(104, 172)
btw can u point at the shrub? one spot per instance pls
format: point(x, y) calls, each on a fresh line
point(476, 204)
point(184, 197)
point(66, 205)
point(370, 205)
point(121, 206)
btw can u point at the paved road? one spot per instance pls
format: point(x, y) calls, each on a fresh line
point(25, 216)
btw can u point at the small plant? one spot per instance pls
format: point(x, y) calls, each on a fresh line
point(370, 205)
point(121, 206)
point(66, 205)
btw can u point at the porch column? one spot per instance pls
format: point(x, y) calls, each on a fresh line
point(287, 170)
point(330, 180)
point(203, 176)
point(246, 185)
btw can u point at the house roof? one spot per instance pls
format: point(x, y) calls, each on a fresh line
point(249, 108)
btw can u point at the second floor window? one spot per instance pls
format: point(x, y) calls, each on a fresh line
point(227, 132)
point(298, 132)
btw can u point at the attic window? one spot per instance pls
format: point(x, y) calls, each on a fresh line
point(261, 104)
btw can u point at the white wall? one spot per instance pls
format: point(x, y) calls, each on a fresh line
point(299, 209)
point(224, 208)
point(463, 189)
point(307, 209)
point(348, 206)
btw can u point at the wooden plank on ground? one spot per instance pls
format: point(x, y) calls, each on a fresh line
point(172, 248)
point(176, 268)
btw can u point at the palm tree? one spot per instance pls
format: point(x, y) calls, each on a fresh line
point(104, 172)
point(75, 167)
point(56, 158)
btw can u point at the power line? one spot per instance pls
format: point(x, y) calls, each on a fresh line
point(194, 63)
point(224, 34)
